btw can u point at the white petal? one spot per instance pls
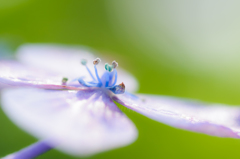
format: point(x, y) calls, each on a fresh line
point(82, 123)
point(66, 61)
point(56, 58)
point(216, 119)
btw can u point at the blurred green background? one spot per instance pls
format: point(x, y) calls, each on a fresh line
point(95, 23)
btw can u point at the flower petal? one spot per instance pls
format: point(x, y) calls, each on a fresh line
point(216, 119)
point(66, 62)
point(82, 123)
point(2, 85)
point(16, 74)
point(56, 58)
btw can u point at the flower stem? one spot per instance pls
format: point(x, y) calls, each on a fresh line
point(31, 151)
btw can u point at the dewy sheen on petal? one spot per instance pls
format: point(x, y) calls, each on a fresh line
point(80, 123)
point(64, 60)
point(217, 120)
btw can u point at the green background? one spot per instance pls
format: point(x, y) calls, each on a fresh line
point(87, 23)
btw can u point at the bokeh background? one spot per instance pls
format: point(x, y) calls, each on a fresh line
point(185, 48)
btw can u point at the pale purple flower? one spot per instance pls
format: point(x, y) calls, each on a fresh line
point(78, 115)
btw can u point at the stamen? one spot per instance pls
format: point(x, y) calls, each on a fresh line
point(84, 62)
point(114, 64)
point(122, 85)
point(108, 67)
point(64, 81)
point(118, 89)
point(95, 62)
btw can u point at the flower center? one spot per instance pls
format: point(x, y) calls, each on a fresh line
point(108, 79)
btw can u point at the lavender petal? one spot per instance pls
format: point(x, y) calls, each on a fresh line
point(212, 119)
point(79, 122)
point(13, 73)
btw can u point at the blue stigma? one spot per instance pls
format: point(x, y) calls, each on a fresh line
point(108, 79)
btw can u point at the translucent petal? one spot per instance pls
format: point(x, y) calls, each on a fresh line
point(80, 123)
point(3, 85)
point(215, 119)
point(66, 62)
point(16, 74)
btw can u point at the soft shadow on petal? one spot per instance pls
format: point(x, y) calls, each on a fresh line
point(65, 60)
point(216, 119)
point(81, 123)
point(13, 73)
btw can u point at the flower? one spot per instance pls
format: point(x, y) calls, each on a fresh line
point(78, 115)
